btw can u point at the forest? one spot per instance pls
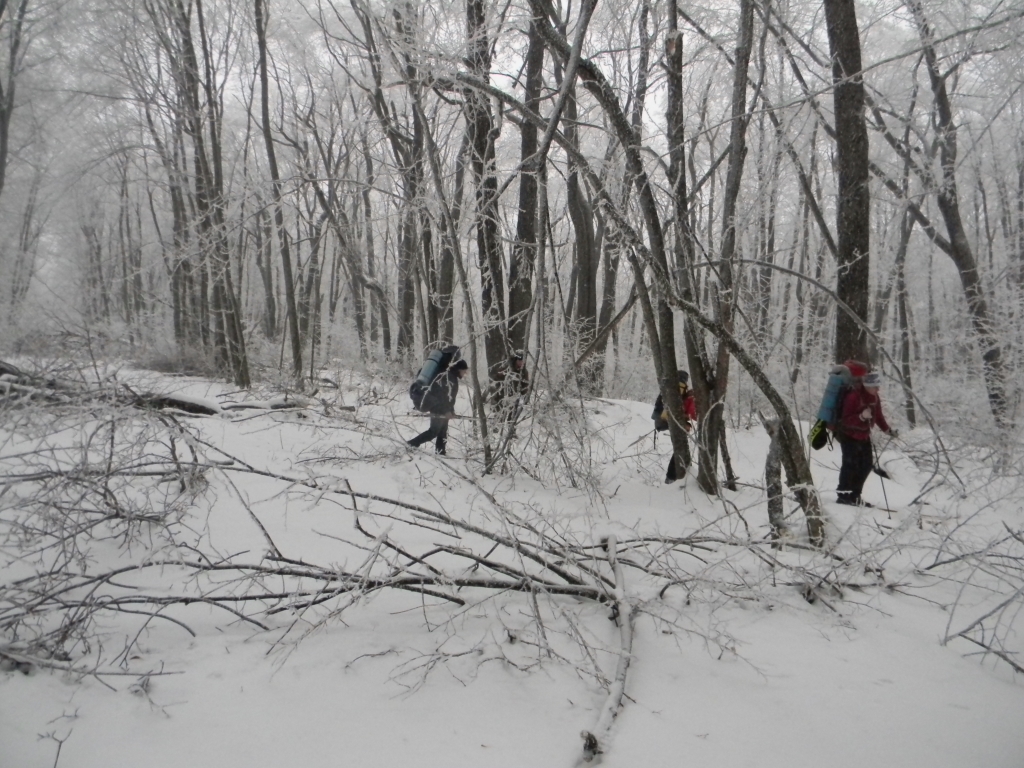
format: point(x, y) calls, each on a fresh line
point(237, 224)
point(243, 187)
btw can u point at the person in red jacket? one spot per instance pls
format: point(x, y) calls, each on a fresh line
point(862, 409)
point(686, 419)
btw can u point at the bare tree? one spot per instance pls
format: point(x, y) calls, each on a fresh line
point(713, 413)
point(12, 32)
point(482, 136)
point(262, 19)
point(523, 255)
point(959, 250)
point(854, 203)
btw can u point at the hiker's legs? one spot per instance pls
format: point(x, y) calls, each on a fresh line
point(855, 469)
point(424, 437)
point(440, 426)
point(862, 467)
point(674, 472)
point(436, 424)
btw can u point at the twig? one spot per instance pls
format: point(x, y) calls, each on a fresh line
point(1001, 654)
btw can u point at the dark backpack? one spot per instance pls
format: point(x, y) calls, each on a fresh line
point(437, 363)
point(660, 424)
point(840, 381)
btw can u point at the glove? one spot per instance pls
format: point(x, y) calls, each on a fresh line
point(893, 433)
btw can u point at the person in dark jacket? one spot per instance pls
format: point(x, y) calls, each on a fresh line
point(686, 418)
point(439, 401)
point(862, 409)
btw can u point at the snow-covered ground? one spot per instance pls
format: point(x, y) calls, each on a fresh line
point(742, 655)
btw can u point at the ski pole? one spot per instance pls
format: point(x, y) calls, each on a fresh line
point(877, 467)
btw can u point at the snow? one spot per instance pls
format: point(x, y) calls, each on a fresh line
point(730, 665)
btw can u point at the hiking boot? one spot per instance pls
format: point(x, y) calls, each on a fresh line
point(853, 502)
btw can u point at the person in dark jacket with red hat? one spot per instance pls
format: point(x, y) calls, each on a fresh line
point(861, 410)
point(439, 400)
point(686, 418)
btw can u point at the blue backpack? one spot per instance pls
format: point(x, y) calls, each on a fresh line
point(437, 363)
point(840, 381)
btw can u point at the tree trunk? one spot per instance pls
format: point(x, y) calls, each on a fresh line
point(854, 203)
point(586, 262)
point(263, 235)
point(773, 484)
point(262, 17)
point(683, 244)
point(903, 322)
point(488, 238)
point(15, 25)
point(28, 244)
point(524, 251)
point(713, 423)
point(801, 308)
point(377, 297)
point(764, 275)
point(448, 251)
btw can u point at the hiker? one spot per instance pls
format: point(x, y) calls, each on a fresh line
point(512, 385)
point(439, 402)
point(686, 419)
point(862, 408)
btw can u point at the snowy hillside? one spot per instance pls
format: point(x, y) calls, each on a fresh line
point(295, 587)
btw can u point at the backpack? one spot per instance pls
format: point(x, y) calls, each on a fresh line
point(840, 381)
point(437, 363)
point(661, 424)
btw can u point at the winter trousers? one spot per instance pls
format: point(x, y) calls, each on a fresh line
point(438, 430)
point(675, 470)
point(856, 466)
point(673, 473)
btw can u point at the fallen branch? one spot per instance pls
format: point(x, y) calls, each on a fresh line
point(595, 741)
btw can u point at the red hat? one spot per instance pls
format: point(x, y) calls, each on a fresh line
point(856, 367)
